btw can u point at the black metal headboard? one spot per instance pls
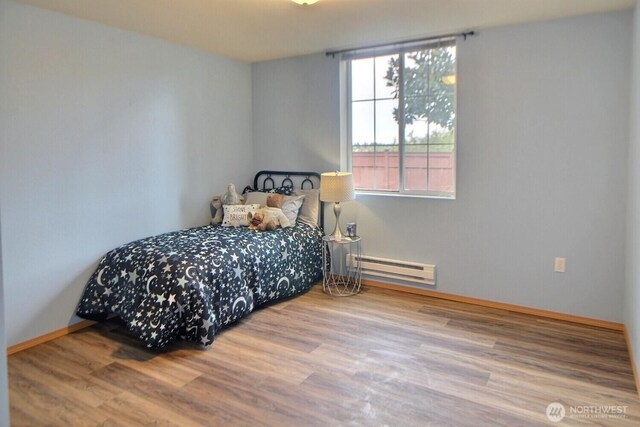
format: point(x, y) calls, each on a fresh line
point(264, 180)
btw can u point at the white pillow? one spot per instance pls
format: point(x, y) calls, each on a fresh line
point(237, 215)
point(291, 207)
point(310, 209)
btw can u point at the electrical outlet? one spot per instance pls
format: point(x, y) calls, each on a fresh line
point(560, 265)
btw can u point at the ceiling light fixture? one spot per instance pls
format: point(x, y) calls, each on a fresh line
point(305, 2)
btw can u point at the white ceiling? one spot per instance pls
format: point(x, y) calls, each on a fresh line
point(256, 30)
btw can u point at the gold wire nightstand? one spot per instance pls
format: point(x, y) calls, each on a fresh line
point(341, 266)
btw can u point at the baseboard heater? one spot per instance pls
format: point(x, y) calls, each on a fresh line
point(414, 272)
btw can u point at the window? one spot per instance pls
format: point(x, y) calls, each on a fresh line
point(402, 115)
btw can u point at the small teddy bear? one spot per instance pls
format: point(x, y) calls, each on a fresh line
point(275, 200)
point(261, 221)
point(268, 219)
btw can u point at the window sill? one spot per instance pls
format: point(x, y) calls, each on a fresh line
point(360, 193)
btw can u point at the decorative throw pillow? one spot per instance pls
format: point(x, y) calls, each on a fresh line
point(310, 209)
point(216, 209)
point(256, 197)
point(286, 190)
point(236, 215)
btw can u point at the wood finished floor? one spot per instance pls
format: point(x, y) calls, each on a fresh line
point(378, 358)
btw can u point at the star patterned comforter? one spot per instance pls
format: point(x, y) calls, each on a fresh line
point(189, 284)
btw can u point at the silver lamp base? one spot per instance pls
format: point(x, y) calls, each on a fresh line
point(337, 234)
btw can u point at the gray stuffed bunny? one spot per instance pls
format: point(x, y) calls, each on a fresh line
point(231, 197)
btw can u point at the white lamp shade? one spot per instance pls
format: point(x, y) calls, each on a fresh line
point(336, 187)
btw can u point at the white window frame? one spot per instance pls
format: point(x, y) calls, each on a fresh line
point(401, 192)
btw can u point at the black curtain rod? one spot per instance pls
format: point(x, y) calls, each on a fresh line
point(333, 53)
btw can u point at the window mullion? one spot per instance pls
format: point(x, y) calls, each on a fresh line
point(401, 123)
point(375, 130)
point(429, 124)
point(349, 118)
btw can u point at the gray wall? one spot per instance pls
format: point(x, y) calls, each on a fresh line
point(108, 136)
point(542, 149)
point(632, 294)
point(296, 111)
point(4, 391)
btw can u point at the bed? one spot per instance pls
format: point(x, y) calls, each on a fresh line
point(189, 284)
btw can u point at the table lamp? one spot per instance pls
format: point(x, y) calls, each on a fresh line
point(336, 187)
